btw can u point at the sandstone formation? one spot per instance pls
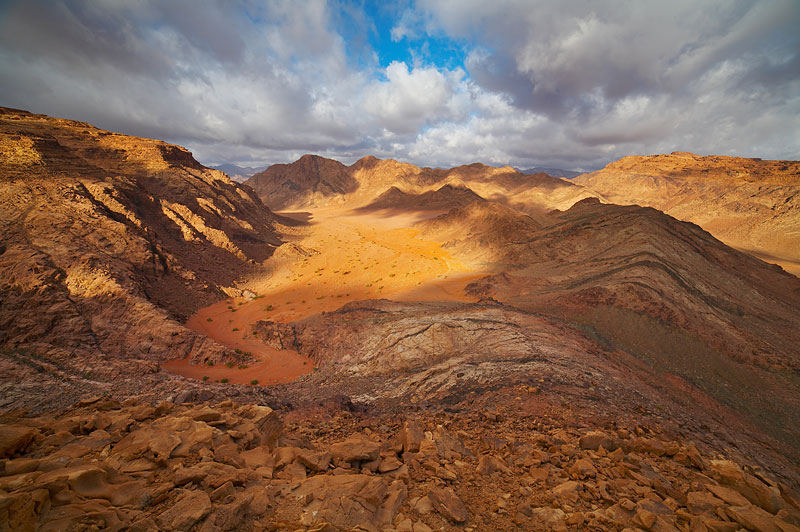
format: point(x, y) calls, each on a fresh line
point(107, 242)
point(749, 204)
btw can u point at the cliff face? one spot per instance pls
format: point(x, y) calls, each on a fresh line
point(107, 241)
point(749, 204)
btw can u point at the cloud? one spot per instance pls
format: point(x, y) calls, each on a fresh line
point(543, 83)
point(642, 76)
point(411, 99)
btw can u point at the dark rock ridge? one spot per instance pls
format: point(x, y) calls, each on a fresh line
point(444, 198)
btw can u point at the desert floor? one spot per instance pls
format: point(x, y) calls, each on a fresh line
point(340, 256)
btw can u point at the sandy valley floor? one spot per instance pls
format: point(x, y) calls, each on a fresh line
point(341, 256)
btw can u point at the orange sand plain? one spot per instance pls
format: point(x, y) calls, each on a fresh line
point(353, 256)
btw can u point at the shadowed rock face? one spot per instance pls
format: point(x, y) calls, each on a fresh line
point(750, 204)
point(108, 240)
point(445, 198)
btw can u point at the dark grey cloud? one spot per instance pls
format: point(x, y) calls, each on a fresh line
point(570, 83)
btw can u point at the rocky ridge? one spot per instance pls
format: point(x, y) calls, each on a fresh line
point(442, 199)
point(751, 204)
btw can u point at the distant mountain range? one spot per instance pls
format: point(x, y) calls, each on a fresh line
point(239, 174)
point(554, 172)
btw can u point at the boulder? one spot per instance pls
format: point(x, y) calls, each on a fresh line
point(446, 502)
point(583, 468)
point(411, 436)
point(550, 517)
point(356, 448)
point(593, 440)
point(488, 464)
point(14, 439)
point(314, 461)
point(190, 508)
point(753, 518)
point(343, 500)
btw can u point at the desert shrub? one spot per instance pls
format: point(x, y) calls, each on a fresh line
point(229, 364)
point(205, 378)
point(224, 381)
point(254, 382)
point(209, 319)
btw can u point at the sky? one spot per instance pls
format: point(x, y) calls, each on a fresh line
point(571, 84)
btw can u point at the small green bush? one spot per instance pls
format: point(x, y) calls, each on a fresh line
point(254, 382)
point(205, 378)
point(209, 319)
point(224, 381)
point(229, 364)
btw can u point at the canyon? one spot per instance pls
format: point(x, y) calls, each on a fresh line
point(385, 347)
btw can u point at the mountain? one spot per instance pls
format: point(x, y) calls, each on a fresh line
point(555, 172)
point(240, 174)
point(108, 243)
point(315, 182)
point(444, 198)
point(750, 204)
